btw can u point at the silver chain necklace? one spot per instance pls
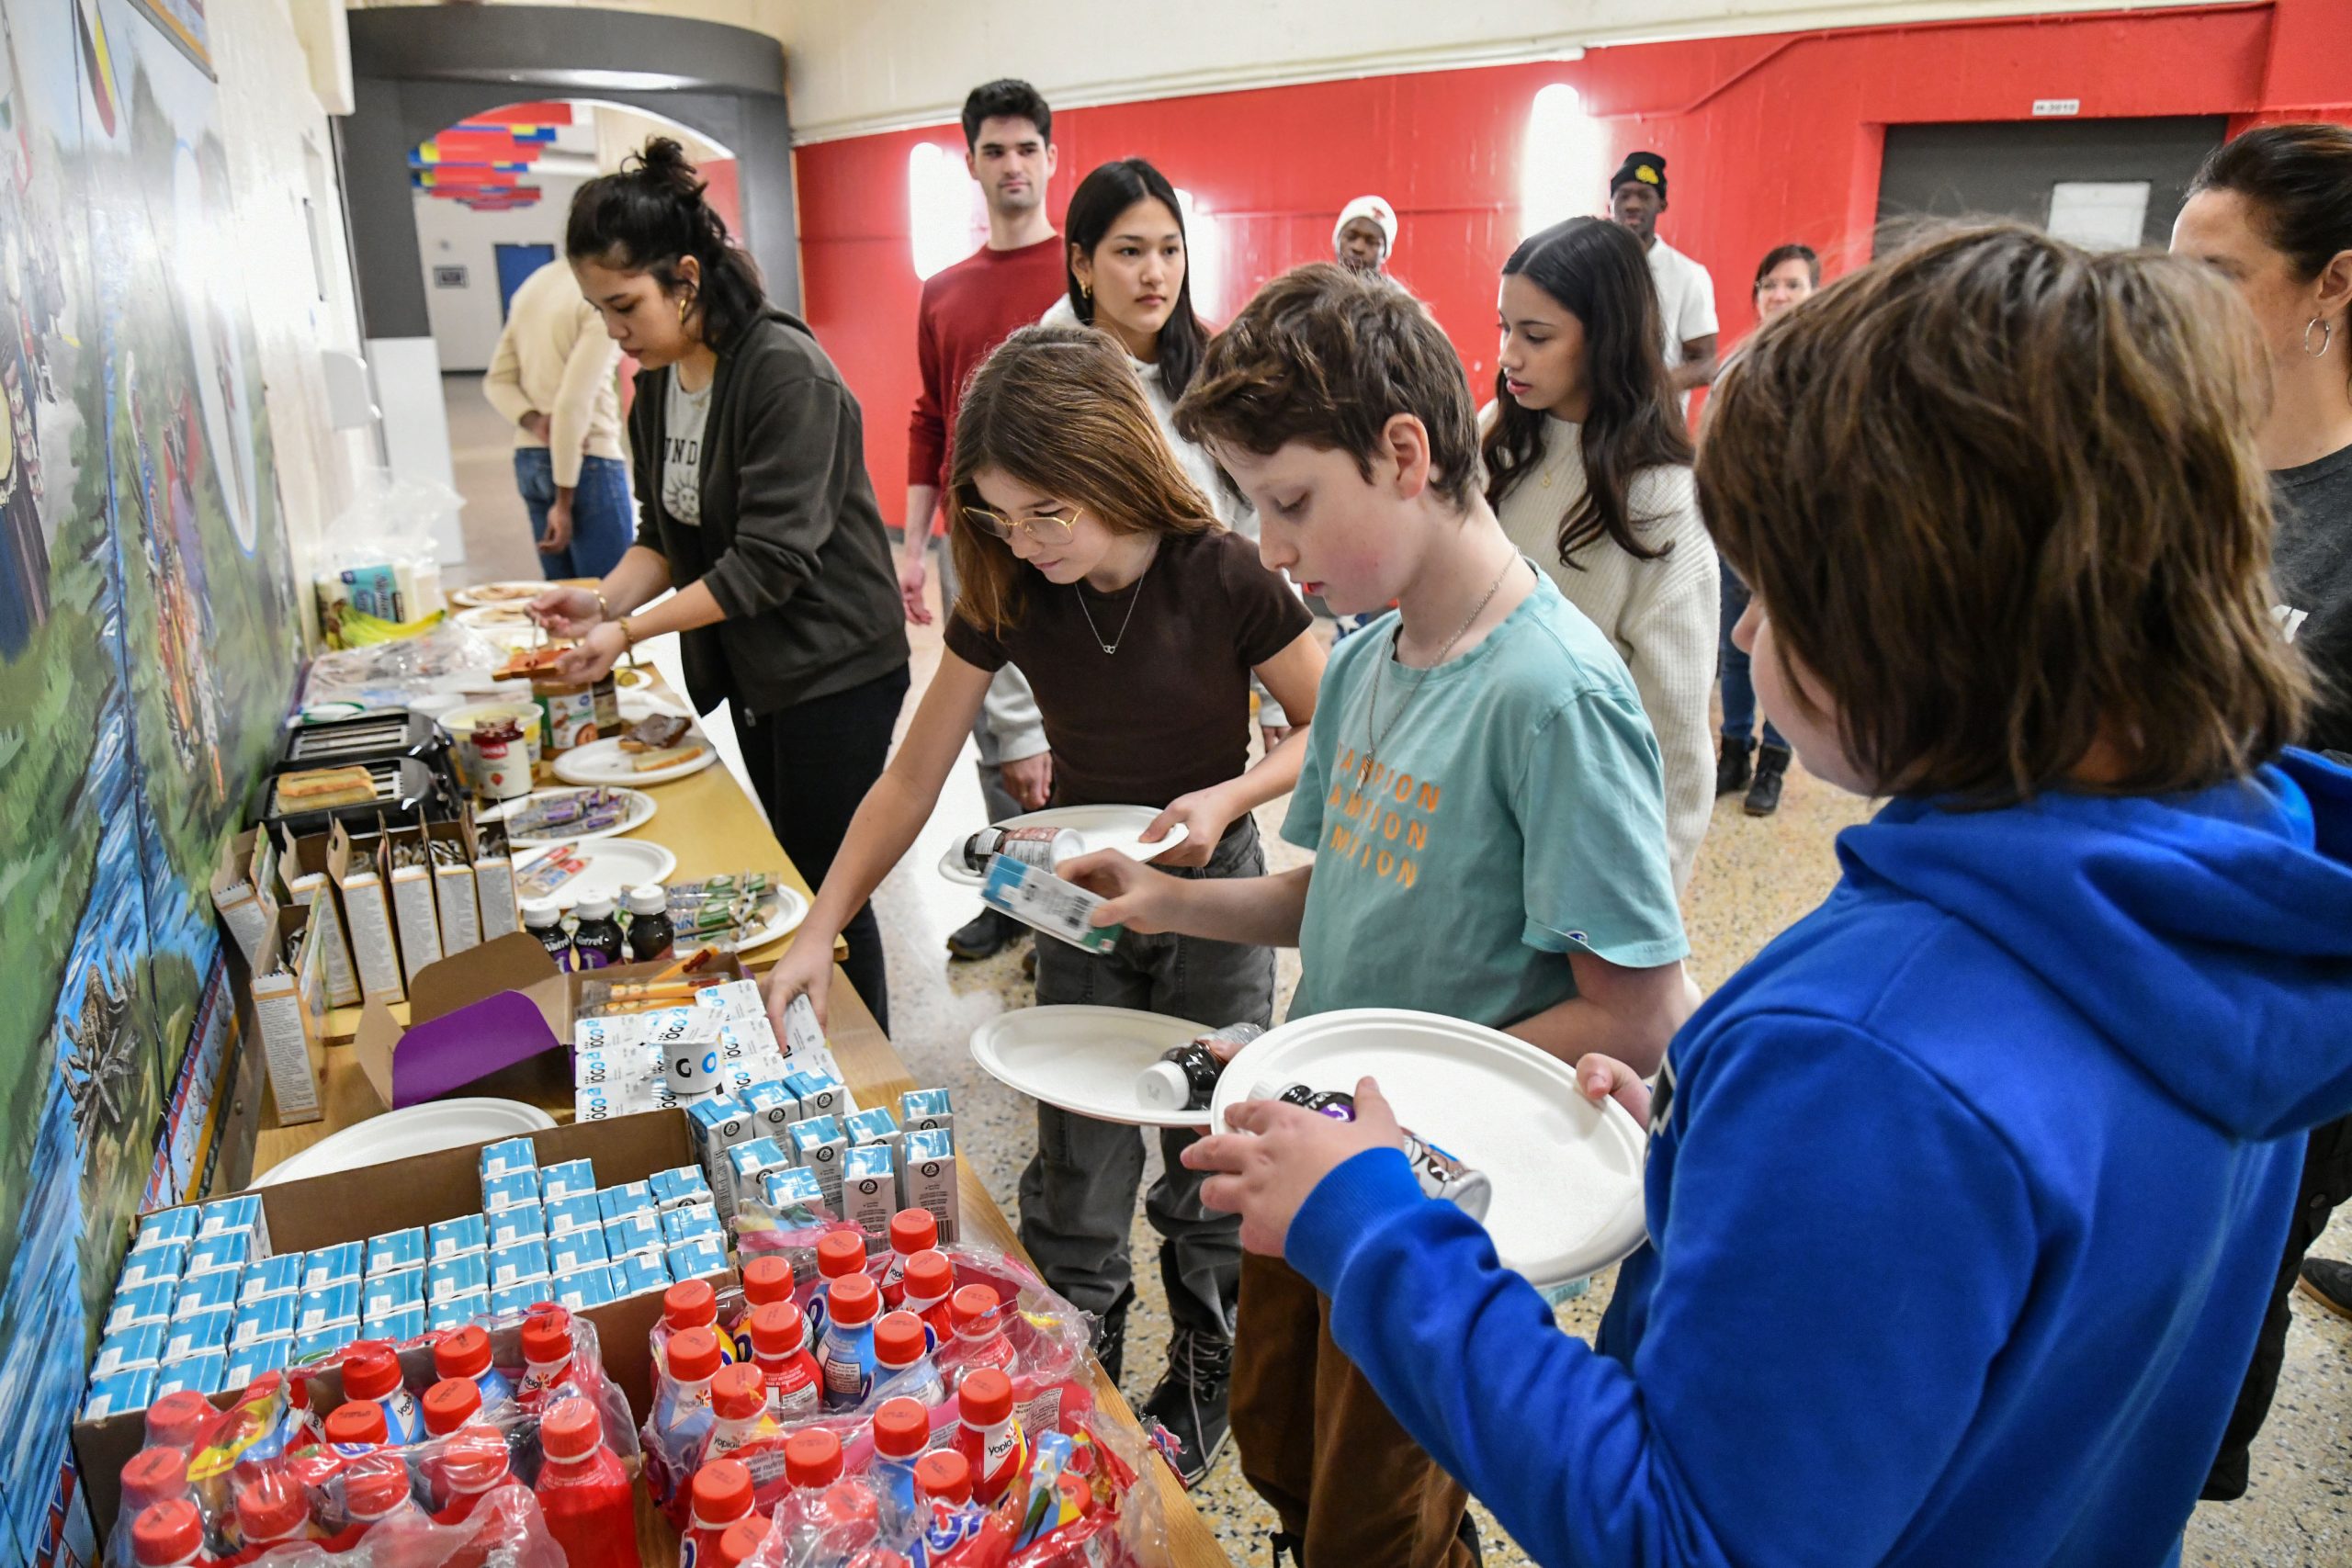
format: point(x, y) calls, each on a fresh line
point(1374, 734)
point(1112, 646)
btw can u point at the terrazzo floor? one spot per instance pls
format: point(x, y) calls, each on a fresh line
point(1753, 877)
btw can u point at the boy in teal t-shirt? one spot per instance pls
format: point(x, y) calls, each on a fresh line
point(1511, 813)
point(1485, 802)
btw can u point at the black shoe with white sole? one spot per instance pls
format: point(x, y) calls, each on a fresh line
point(983, 936)
point(1192, 1400)
point(2329, 1283)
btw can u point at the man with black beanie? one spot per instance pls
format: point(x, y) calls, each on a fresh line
point(1685, 295)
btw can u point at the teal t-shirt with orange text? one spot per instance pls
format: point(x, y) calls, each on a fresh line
point(1513, 811)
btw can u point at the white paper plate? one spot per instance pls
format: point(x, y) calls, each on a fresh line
point(1116, 827)
point(497, 617)
point(603, 762)
point(613, 866)
point(419, 1130)
point(1566, 1173)
point(640, 811)
point(787, 908)
point(1085, 1059)
point(516, 591)
point(637, 705)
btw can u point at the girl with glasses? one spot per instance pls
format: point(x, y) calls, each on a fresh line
point(1088, 557)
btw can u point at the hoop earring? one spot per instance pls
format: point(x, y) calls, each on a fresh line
point(1086, 289)
point(2326, 336)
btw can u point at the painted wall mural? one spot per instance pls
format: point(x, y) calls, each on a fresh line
point(149, 648)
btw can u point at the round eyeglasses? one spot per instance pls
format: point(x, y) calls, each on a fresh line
point(1047, 530)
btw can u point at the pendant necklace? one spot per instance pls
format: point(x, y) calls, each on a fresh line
point(1112, 646)
point(1374, 734)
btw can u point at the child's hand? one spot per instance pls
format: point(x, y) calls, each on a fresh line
point(1278, 1154)
point(1605, 1077)
point(1140, 897)
point(1205, 815)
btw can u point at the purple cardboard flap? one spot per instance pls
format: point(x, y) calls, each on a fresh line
point(445, 1054)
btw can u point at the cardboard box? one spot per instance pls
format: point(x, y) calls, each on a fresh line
point(289, 1006)
point(302, 867)
point(352, 1205)
point(501, 1008)
point(368, 913)
point(244, 890)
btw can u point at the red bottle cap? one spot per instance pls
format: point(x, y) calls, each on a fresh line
point(464, 1354)
point(854, 1299)
point(572, 1430)
point(913, 1231)
point(737, 1546)
point(375, 1485)
point(945, 1474)
point(475, 1461)
point(722, 1492)
point(898, 1340)
point(152, 1476)
point(812, 1458)
point(370, 1372)
point(358, 1421)
point(738, 1392)
point(450, 1403)
point(271, 1509)
point(841, 1254)
point(179, 1420)
point(693, 1353)
point(168, 1532)
point(688, 1303)
point(777, 1330)
point(985, 1397)
point(930, 1277)
point(901, 1428)
point(971, 1307)
point(767, 1280)
point(547, 1336)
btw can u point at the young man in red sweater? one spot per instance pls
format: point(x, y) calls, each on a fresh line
point(967, 310)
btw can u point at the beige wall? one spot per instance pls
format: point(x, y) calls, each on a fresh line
point(281, 152)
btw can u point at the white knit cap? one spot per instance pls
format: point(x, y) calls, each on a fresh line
point(1376, 210)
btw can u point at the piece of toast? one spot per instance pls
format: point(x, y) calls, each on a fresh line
point(315, 787)
point(653, 760)
point(529, 661)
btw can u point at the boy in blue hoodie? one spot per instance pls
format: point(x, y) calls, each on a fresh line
point(1964, 1195)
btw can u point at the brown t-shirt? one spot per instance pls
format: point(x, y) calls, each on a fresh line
point(1169, 713)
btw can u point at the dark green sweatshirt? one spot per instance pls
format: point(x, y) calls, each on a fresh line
point(791, 542)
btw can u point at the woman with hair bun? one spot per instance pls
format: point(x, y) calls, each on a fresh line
point(755, 505)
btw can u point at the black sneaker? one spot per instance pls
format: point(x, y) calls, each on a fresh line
point(1280, 1546)
point(1190, 1402)
point(1110, 1337)
point(983, 936)
point(1731, 765)
point(2329, 1283)
point(1764, 791)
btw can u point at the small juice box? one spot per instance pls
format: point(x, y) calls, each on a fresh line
point(638, 1273)
point(271, 1317)
point(202, 1292)
point(162, 1263)
point(466, 1233)
point(396, 1252)
point(632, 1233)
point(207, 1330)
point(584, 1288)
point(1038, 898)
point(518, 1298)
point(382, 1292)
point(629, 1198)
point(875, 1126)
point(524, 1222)
point(508, 1153)
point(516, 1262)
point(921, 1110)
point(680, 1226)
point(119, 1393)
point(166, 1225)
point(578, 1212)
point(204, 1372)
point(466, 1274)
point(135, 1305)
point(575, 1250)
point(242, 1214)
point(819, 1145)
point(247, 1364)
point(819, 1094)
point(696, 1259)
point(801, 1030)
point(510, 1188)
point(869, 1188)
point(344, 1261)
point(278, 1276)
point(774, 1109)
point(927, 1179)
point(795, 1189)
point(557, 1181)
point(675, 1189)
point(129, 1351)
point(399, 1324)
point(459, 1311)
point(226, 1250)
point(320, 1345)
point(329, 1307)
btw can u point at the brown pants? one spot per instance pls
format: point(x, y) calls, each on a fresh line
point(1320, 1447)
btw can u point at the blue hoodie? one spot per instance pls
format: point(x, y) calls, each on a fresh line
point(1964, 1201)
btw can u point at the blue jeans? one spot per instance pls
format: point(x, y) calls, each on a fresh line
point(1739, 690)
point(604, 513)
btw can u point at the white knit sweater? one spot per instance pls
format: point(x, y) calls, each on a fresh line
point(1662, 614)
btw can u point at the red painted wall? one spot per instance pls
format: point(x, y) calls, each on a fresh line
point(1766, 139)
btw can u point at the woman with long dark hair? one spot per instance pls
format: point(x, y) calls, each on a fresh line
point(755, 505)
point(1130, 276)
point(2273, 210)
point(1589, 468)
